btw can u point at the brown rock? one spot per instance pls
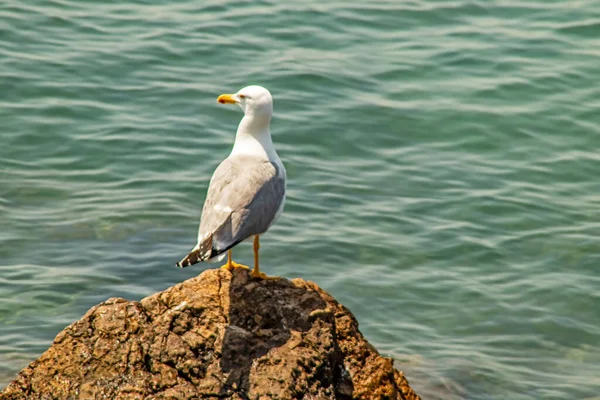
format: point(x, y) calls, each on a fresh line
point(219, 335)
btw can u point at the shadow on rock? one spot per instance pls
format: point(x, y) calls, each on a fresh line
point(262, 316)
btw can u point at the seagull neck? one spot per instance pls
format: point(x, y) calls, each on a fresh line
point(254, 138)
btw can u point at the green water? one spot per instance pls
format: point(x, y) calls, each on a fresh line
point(443, 164)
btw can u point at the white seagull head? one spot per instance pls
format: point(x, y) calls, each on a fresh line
point(255, 101)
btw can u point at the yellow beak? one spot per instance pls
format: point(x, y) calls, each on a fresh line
point(226, 99)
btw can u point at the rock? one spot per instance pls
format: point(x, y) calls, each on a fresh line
point(218, 335)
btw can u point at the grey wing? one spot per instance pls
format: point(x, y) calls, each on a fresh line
point(244, 198)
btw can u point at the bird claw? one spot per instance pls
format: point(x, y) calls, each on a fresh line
point(261, 275)
point(233, 265)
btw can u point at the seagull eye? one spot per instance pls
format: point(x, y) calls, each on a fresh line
point(242, 96)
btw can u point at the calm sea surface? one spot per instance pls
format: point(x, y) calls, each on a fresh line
point(443, 161)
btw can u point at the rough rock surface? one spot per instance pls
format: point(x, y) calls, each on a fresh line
point(219, 335)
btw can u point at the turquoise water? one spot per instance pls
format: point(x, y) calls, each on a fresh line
point(443, 164)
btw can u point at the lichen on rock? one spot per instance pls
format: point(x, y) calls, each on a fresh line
point(218, 335)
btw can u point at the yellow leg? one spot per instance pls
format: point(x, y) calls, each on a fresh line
point(256, 271)
point(231, 265)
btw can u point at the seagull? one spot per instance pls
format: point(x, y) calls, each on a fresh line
point(246, 193)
